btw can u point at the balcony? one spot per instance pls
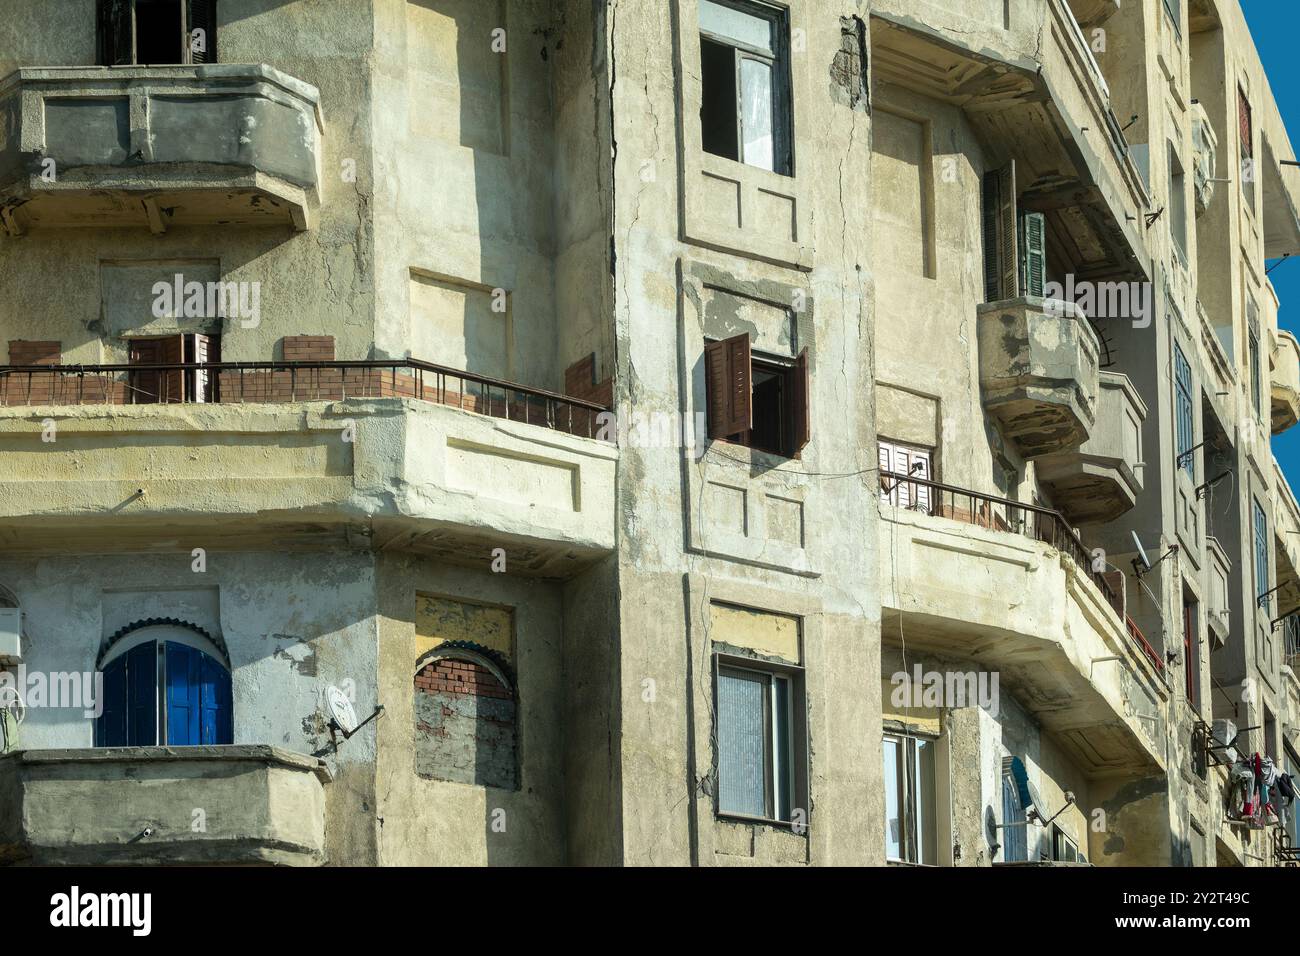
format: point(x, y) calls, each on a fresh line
point(1010, 586)
point(157, 146)
point(1101, 479)
point(400, 454)
point(1286, 382)
point(1039, 373)
point(136, 805)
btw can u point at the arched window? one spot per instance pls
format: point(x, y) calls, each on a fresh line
point(465, 718)
point(165, 681)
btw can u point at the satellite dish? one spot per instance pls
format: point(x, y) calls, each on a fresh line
point(1142, 552)
point(340, 708)
point(1030, 801)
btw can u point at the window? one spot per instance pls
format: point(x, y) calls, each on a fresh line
point(1015, 821)
point(153, 386)
point(164, 682)
point(910, 800)
point(1246, 137)
point(999, 225)
point(1183, 409)
point(1261, 553)
point(1252, 351)
point(758, 739)
point(912, 461)
point(744, 74)
point(146, 32)
point(1177, 204)
point(1173, 10)
point(1191, 652)
point(760, 403)
point(465, 719)
point(1064, 849)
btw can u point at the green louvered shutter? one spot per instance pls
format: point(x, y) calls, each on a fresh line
point(202, 24)
point(1001, 263)
point(114, 28)
point(1033, 253)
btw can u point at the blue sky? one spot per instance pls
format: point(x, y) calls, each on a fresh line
point(1273, 23)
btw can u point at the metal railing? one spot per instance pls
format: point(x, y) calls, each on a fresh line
point(1014, 517)
point(281, 382)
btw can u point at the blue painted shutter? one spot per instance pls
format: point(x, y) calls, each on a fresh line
point(182, 695)
point(110, 728)
point(214, 702)
point(142, 695)
point(198, 698)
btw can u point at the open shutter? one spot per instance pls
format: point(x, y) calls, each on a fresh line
point(1001, 262)
point(201, 385)
point(183, 710)
point(142, 695)
point(201, 21)
point(114, 27)
point(215, 725)
point(110, 728)
point(799, 404)
point(173, 380)
point(1033, 253)
point(728, 386)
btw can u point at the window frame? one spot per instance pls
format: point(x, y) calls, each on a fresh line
point(729, 366)
point(192, 12)
point(1059, 836)
point(1177, 218)
point(913, 846)
point(795, 773)
point(777, 60)
point(1184, 413)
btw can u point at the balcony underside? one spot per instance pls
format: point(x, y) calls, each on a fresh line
point(1053, 118)
point(135, 806)
point(1038, 374)
point(155, 147)
point(1101, 480)
point(416, 476)
point(1016, 606)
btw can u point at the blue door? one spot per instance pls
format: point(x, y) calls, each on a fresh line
point(198, 698)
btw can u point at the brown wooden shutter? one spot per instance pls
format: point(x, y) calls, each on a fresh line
point(144, 386)
point(201, 384)
point(1244, 124)
point(799, 409)
point(202, 15)
point(728, 386)
point(173, 381)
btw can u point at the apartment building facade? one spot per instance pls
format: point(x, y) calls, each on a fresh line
point(717, 432)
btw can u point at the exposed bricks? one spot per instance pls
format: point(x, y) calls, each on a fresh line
point(460, 677)
point(22, 352)
point(580, 382)
point(308, 348)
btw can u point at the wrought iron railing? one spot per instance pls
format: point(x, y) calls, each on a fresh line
point(1014, 517)
point(280, 382)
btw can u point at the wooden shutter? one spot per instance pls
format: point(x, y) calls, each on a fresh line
point(115, 33)
point(895, 488)
point(1244, 125)
point(799, 407)
point(145, 387)
point(1033, 253)
point(202, 15)
point(728, 386)
point(1001, 261)
point(173, 381)
point(201, 385)
point(110, 728)
point(142, 695)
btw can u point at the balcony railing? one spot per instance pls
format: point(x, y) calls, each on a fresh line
point(205, 383)
point(1014, 517)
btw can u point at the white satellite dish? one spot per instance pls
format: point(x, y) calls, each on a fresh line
point(1142, 552)
point(341, 710)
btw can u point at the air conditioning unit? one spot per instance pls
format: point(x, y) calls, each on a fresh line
point(11, 649)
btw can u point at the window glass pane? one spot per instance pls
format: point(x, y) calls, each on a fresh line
point(1015, 845)
point(782, 770)
point(736, 25)
point(756, 112)
point(923, 808)
point(742, 767)
point(893, 799)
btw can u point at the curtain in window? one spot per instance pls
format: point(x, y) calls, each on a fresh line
point(742, 770)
